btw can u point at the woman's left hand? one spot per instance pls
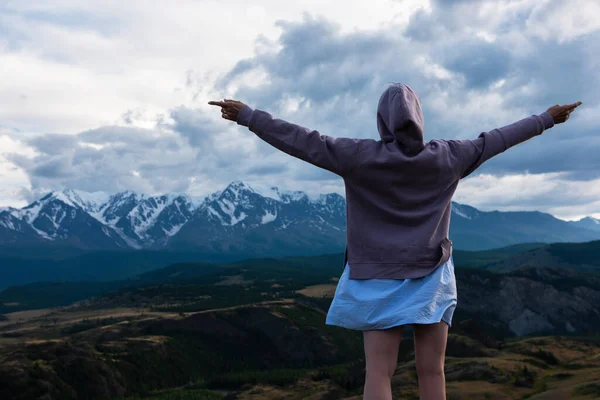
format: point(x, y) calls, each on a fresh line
point(229, 108)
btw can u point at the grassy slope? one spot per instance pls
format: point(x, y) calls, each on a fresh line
point(479, 259)
point(34, 265)
point(578, 258)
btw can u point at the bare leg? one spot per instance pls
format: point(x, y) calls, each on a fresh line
point(381, 356)
point(430, 351)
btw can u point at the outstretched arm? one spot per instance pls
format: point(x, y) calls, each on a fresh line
point(470, 154)
point(330, 153)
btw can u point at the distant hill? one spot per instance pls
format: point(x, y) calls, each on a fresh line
point(587, 223)
point(92, 266)
point(303, 270)
point(482, 258)
point(576, 258)
point(74, 265)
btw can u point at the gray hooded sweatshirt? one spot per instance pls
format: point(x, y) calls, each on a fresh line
point(398, 189)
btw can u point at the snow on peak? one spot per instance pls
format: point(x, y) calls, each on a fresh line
point(171, 197)
point(86, 200)
point(290, 196)
point(198, 201)
point(268, 217)
point(147, 212)
point(461, 213)
point(98, 197)
point(237, 188)
point(30, 212)
point(285, 196)
point(325, 198)
point(464, 211)
point(271, 192)
point(239, 184)
point(126, 194)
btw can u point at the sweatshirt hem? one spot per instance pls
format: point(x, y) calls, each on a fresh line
point(391, 325)
point(393, 270)
point(399, 269)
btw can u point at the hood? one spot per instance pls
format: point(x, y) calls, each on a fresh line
point(400, 118)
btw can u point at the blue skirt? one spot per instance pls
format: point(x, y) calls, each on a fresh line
point(371, 304)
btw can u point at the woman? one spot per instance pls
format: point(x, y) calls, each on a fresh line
point(398, 267)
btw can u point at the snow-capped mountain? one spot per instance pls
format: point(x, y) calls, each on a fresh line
point(242, 220)
point(145, 221)
point(65, 217)
point(135, 220)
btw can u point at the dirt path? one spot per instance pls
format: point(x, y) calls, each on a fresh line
point(262, 303)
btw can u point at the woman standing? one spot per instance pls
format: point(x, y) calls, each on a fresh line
point(398, 267)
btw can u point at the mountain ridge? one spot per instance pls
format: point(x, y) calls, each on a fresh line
point(243, 220)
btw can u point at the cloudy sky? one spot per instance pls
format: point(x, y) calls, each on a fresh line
point(111, 95)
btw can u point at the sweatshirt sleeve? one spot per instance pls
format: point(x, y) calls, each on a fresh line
point(331, 153)
point(470, 154)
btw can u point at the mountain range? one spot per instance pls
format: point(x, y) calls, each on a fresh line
point(244, 222)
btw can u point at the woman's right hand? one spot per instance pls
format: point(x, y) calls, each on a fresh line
point(561, 113)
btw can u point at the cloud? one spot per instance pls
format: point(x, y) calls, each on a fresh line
point(82, 64)
point(105, 158)
point(187, 152)
point(564, 20)
point(193, 125)
point(467, 84)
point(50, 143)
point(133, 99)
point(480, 62)
point(57, 167)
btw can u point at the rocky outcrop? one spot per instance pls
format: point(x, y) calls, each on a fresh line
point(526, 303)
